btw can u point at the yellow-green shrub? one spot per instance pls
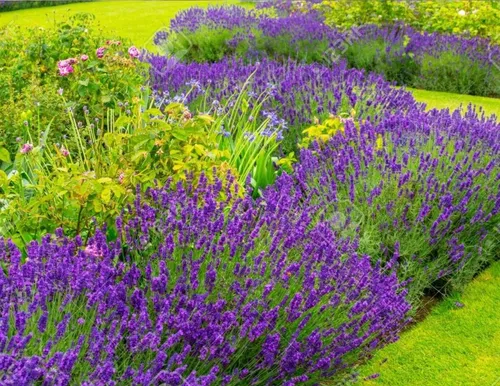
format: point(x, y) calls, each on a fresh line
point(48, 186)
point(475, 18)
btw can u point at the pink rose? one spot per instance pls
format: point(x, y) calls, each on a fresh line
point(84, 58)
point(133, 52)
point(62, 63)
point(65, 66)
point(26, 148)
point(64, 71)
point(100, 52)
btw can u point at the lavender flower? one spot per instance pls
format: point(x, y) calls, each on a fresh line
point(181, 291)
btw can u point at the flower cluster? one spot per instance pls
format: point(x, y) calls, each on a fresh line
point(196, 292)
point(300, 27)
point(66, 66)
point(99, 53)
point(231, 17)
point(134, 52)
point(26, 148)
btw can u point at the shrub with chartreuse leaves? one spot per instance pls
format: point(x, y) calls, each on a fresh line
point(94, 171)
point(197, 290)
point(474, 18)
point(73, 58)
point(345, 14)
point(464, 17)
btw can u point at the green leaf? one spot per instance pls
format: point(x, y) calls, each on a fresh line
point(106, 195)
point(4, 180)
point(180, 135)
point(97, 206)
point(205, 118)
point(118, 190)
point(82, 91)
point(122, 121)
point(153, 111)
point(160, 123)
point(106, 98)
point(4, 155)
point(104, 180)
point(139, 156)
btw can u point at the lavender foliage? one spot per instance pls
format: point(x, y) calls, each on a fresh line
point(202, 35)
point(428, 192)
point(433, 61)
point(196, 291)
point(299, 92)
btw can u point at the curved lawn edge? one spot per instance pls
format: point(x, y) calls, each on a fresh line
point(445, 100)
point(457, 344)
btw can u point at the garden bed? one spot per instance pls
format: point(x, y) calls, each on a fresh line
point(241, 207)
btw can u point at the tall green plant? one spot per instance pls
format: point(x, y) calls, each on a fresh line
point(251, 142)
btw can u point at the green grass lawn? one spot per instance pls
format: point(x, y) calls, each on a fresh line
point(453, 346)
point(443, 100)
point(137, 20)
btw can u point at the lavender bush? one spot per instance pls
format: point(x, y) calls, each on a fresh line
point(209, 35)
point(431, 61)
point(196, 292)
point(425, 186)
point(299, 92)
